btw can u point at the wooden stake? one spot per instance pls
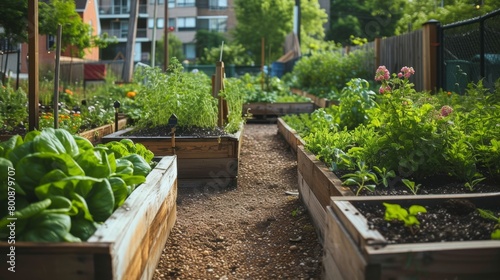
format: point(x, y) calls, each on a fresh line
point(33, 64)
point(217, 86)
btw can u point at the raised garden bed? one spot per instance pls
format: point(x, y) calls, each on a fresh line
point(127, 246)
point(316, 185)
point(95, 135)
point(319, 102)
point(208, 161)
point(265, 110)
point(355, 249)
point(290, 135)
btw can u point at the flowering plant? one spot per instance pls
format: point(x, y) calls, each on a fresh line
point(71, 121)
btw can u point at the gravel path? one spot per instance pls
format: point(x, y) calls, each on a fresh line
point(253, 231)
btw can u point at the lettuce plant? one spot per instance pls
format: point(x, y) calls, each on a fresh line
point(64, 186)
point(487, 214)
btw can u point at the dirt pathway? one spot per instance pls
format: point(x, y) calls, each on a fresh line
point(254, 231)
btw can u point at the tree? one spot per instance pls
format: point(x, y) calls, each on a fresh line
point(206, 39)
point(233, 53)
point(364, 19)
point(174, 49)
point(312, 19)
point(417, 12)
point(14, 19)
point(267, 19)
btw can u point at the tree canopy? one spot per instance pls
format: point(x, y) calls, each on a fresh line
point(50, 14)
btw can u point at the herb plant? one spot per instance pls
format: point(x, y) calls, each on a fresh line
point(361, 177)
point(411, 186)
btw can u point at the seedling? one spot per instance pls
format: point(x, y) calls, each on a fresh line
point(394, 212)
point(385, 175)
point(411, 186)
point(487, 214)
point(472, 183)
point(362, 176)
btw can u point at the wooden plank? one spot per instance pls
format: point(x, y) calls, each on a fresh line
point(290, 135)
point(208, 168)
point(130, 223)
point(95, 135)
point(345, 252)
point(315, 209)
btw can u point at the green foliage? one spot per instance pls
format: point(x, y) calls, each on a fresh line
point(270, 20)
point(174, 49)
point(487, 214)
point(271, 90)
point(185, 94)
point(331, 70)
point(13, 110)
point(355, 99)
point(235, 96)
point(394, 212)
point(233, 53)
point(206, 40)
point(64, 186)
point(411, 186)
point(384, 175)
point(361, 177)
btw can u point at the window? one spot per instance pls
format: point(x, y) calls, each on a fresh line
point(160, 23)
point(160, 2)
point(189, 51)
point(218, 4)
point(171, 3)
point(186, 23)
point(186, 3)
point(218, 24)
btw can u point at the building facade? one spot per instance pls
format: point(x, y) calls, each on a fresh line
point(185, 17)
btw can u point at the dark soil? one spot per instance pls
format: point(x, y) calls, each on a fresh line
point(452, 220)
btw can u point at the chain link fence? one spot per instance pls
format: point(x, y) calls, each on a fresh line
point(470, 52)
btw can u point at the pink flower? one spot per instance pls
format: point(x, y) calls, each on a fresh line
point(446, 110)
point(400, 75)
point(384, 89)
point(406, 72)
point(382, 74)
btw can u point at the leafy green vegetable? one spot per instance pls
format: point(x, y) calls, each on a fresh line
point(141, 167)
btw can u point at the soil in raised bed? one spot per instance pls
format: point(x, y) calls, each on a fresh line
point(452, 220)
point(166, 130)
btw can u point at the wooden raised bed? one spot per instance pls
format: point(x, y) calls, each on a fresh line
point(318, 101)
point(95, 135)
point(209, 162)
point(290, 135)
point(354, 251)
point(272, 110)
point(316, 185)
point(127, 246)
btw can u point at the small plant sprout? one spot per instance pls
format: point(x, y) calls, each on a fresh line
point(471, 184)
point(394, 212)
point(411, 186)
point(487, 214)
point(362, 176)
point(385, 175)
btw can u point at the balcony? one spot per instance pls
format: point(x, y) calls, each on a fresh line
point(123, 34)
point(113, 10)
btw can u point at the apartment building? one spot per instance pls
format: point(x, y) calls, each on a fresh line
point(185, 17)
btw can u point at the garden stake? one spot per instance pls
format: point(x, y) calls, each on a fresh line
point(172, 122)
point(117, 107)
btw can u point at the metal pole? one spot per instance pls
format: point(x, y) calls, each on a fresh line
point(33, 64)
point(165, 43)
point(153, 44)
point(55, 101)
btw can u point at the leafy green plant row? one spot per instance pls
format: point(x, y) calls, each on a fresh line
point(413, 134)
point(267, 89)
point(59, 187)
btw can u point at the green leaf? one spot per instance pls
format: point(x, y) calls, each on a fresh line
point(31, 135)
point(48, 227)
point(10, 145)
point(130, 145)
point(68, 141)
point(53, 176)
point(495, 235)
point(32, 168)
point(141, 167)
point(95, 163)
point(415, 209)
point(83, 228)
point(47, 142)
point(60, 204)
point(120, 190)
point(411, 221)
point(101, 201)
point(83, 143)
point(20, 152)
point(117, 148)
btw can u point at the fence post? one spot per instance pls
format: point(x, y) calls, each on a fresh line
point(430, 43)
point(377, 51)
